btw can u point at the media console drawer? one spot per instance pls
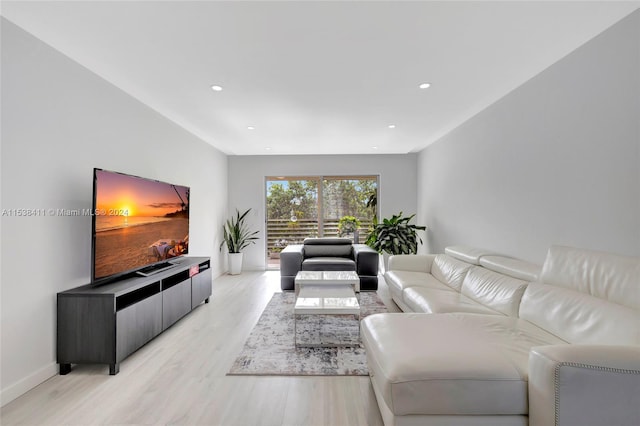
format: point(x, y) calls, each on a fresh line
point(137, 324)
point(176, 303)
point(201, 287)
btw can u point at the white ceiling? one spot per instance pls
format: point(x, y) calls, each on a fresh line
point(316, 77)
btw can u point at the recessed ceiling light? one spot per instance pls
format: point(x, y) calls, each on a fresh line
point(216, 88)
point(251, 128)
point(374, 147)
point(392, 126)
point(425, 85)
point(269, 149)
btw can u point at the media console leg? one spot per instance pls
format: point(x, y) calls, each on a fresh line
point(114, 368)
point(206, 300)
point(65, 369)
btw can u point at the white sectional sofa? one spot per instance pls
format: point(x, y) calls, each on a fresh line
point(486, 341)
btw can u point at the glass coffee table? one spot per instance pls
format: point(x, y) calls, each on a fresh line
point(326, 315)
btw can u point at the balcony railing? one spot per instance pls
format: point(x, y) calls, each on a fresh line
point(282, 232)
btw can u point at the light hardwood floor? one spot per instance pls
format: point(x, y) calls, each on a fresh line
point(180, 377)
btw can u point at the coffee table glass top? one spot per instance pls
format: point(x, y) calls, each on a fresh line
point(327, 276)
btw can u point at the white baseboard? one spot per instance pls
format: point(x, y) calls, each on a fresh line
point(21, 387)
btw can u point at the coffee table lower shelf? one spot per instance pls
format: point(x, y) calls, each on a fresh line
point(326, 316)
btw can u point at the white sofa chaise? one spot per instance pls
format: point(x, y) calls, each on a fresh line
point(571, 355)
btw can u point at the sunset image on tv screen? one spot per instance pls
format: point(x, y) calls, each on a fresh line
point(137, 222)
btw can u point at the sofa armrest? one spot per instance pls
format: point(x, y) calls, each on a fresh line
point(291, 259)
point(584, 385)
point(367, 260)
point(411, 262)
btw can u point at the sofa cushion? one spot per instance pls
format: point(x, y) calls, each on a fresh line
point(449, 271)
point(406, 279)
point(411, 262)
point(496, 291)
point(327, 250)
point(468, 254)
point(586, 297)
point(580, 318)
point(328, 264)
point(397, 281)
point(436, 301)
point(603, 275)
point(513, 267)
point(323, 241)
point(451, 364)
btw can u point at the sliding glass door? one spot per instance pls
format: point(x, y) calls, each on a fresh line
point(299, 207)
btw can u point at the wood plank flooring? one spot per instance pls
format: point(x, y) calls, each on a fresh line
point(180, 377)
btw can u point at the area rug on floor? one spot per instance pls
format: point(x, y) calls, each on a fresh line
point(270, 349)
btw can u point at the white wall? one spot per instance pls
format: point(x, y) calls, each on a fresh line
point(556, 161)
point(247, 174)
point(59, 121)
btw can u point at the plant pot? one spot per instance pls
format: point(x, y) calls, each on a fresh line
point(235, 263)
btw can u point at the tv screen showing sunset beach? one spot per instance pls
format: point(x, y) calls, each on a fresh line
point(137, 222)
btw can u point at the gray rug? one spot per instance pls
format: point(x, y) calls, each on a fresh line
point(270, 349)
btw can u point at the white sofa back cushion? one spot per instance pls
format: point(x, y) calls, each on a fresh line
point(603, 275)
point(586, 297)
point(579, 318)
point(415, 263)
point(468, 254)
point(449, 271)
point(513, 267)
point(496, 291)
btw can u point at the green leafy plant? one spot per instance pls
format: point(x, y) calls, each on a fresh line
point(237, 235)
point(395, 235)
point(372, 200)
point(348, 225)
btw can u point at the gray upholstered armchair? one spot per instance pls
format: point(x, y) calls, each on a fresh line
point(329, 254)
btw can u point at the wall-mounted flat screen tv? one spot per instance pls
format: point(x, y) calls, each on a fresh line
point(138, 224)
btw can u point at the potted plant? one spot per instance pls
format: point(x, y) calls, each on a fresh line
point(349, 225)
point(237, 236)
point(395, 236)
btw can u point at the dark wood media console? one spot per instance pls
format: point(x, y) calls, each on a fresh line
point(105, 324)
